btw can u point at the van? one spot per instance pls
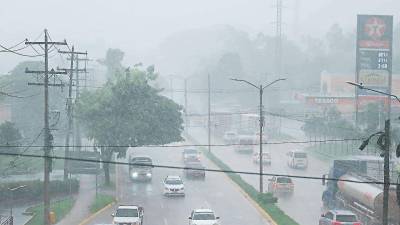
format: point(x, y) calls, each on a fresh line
point(297, 159)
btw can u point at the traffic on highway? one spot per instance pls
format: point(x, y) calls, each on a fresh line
point(228, 112)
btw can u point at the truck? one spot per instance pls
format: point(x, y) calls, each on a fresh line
point(363, 199)
point(245, 144)
point(140, 168)
point(128, 214)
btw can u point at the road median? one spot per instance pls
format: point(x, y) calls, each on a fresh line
point(263, 202)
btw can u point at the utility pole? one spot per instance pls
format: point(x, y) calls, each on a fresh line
point(77, 136)
point(209, 112)
point(261, 122)
point(386, 175)
point(385, 148)
point(47, 135)
point(261, 89)
point(278, 38)
point(69, 105)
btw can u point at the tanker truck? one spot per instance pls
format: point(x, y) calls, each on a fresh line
point(364, 199)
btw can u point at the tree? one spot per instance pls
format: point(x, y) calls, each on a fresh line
point(127, 111)
point(113, 61)
point(27, 111)
point(9, 135)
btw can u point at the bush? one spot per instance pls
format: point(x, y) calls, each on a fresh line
point(34, 190)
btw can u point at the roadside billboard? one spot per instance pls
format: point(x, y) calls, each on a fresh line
point(374, 56)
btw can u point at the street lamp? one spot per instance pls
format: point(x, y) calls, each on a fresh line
point(261, 91)
point(386, 152)
point(12, 197)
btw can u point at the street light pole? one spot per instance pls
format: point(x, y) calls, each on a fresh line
point(261, 122)
point(386, 153)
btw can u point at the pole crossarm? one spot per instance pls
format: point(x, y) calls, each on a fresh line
point(52, 72)
point(49, 43)
point(67, 69)
point(73, 52)
point(42, 84)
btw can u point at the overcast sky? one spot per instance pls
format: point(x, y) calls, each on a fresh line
point(137, 26)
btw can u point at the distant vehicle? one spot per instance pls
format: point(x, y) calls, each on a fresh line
point(203, 217)
point(363, 199)
point(339, 217)
point(230, 137)
point(278, 184)
point(245, 144)
point(198, 170)
point(297, 159)
point(140, 168)
point(266, 157)
point(128, 214)
point(173, 186)
point(190, 155)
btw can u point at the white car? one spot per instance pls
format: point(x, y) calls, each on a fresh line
point(266, 158)
point(128, 214)
point(173, 186)
point(203, 217)
point(297, 158)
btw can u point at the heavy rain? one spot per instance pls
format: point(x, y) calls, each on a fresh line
point(213, 112)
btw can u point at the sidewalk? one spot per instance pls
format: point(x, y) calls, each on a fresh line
point(84, 199)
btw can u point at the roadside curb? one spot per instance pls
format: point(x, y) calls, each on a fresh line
point(88, 219)
point(252, 202)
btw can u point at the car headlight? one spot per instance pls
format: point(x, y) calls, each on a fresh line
point(135, 174)
point(148, 174)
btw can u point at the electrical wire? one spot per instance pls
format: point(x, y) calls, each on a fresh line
point(191, 168)
point(194, 145)
point(12, 163)
point(17, 53)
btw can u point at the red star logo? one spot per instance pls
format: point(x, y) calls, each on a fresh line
point(375, 28)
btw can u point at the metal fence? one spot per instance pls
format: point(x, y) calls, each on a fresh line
point(6, 220)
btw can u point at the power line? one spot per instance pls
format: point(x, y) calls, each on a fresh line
point(195, 145)
point(191, 168)
point(17, 53)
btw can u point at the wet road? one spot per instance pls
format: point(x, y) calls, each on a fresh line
point(216, 192)
point(305, 204)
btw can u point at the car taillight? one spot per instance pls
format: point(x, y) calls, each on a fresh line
point(358, 223)
point(336, 223)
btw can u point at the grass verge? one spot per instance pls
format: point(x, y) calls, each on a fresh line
point(101, 201)
point(60, 208)
point(266, 201)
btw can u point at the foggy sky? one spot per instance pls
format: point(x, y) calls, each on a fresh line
point(138, 26)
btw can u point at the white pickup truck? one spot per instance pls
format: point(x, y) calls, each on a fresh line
point(128, 214)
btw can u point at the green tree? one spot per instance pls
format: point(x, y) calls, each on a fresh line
point(9, 135)
point(127, 111)
point(113, 61)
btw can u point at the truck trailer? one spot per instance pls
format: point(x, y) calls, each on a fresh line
point(364, 199)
